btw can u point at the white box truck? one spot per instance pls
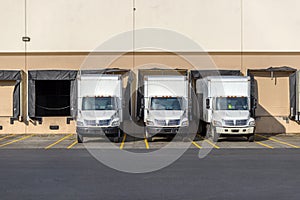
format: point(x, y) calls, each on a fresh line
point(225, 105)
point(165, 104)
point(99, 106)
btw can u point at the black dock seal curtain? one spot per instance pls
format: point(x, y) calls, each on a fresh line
point(199, 74)
point(293, 82)
point(12, 75)
point(34, 75)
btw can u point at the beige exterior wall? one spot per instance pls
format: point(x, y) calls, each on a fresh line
point(238, 34)
point(216, 25)
point(271, 25)
point(273, 94)
point(12, 20)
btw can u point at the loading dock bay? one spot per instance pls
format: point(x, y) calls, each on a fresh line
point(68, 141)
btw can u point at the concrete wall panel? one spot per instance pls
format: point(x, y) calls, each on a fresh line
point(214, 24)
point(271, 25)
point(12, 20)
point(76, 25)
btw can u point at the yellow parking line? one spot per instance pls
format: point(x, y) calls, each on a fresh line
point(146, 143)
point(58, 141)
point(278, 141)
point(123, 141)
point(8, 136)
point(17, 140)
point(73, 144)
point(212, 144)
point(265, 145)
point(197, 145)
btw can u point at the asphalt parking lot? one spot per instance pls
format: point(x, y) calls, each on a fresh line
point(57, 167)
point(223, 174)
point(68, 141)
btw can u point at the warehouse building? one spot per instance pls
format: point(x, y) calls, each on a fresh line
point(45, 43)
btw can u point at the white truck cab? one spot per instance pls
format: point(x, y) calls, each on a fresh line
point(225, 103)
point(165, 104)
point(99, 106)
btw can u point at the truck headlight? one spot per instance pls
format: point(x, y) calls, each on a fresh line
point(79, 123)
point(115, 122)
point(251, 123)
point(149, 123)
point(216, 123)
point(185, 123)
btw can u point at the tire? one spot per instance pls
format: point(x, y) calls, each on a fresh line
point(148, 136)
point(203, 128)
point(79, 138)
point(150, 139)
point(117, 139)
point(251, 138)
point(208, 130)
point(214, 135)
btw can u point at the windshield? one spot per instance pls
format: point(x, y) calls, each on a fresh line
point(164, 103)
point(232, 103)
point(98, 103)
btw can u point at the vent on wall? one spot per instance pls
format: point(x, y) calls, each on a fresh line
point(54, 127)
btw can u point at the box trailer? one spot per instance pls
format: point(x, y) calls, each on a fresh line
point(225, 103)
point(165, 100)
point(101, 103)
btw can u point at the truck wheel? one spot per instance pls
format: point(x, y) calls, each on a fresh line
point(150, 139)
point(79, 138)
point(203, 129)
point(251, 138)
point(148, 136)
point(117, 139)
point(208, 130)
point(214, 135)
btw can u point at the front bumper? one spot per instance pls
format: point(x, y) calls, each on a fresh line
point(96, 131)
point(235, 130)
point(165, 130)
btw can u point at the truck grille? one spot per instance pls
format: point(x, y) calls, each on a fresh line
point(242, 122)
point(174, 122)
point(104, 122)
point(90, 122)
point(160, 122)
point(229, 122)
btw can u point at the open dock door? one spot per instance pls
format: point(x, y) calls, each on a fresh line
point(273, 95)
point(52, 93)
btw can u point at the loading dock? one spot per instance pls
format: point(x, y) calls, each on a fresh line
point(51, 101)
point(272, 90)
point(11, 107)
point(197, 99)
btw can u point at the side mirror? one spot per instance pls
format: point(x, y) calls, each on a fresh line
point(207, 103)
